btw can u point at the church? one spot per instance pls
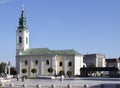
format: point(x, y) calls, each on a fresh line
point(36, 61)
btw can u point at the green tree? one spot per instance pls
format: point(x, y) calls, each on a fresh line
point(13, 71)
point(69, 73)
point(24, 70)
point(92, 65)
point(33, 71)
point(50, 70)
point(2, 67)
point(61, 72)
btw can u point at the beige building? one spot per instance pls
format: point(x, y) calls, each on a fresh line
point(94, 60)
point(40, 59)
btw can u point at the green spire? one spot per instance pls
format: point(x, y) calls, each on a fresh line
point(22, 21)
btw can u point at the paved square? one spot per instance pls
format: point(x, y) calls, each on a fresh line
point(76, 82)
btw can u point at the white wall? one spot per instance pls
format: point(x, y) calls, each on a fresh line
point(78, 64)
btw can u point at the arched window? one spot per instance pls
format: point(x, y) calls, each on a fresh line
point(26, 40)
point(36, 62)
point(60, 64)
point(70, 63)
point(20, 39)
point(47, 62)
point(26, 62)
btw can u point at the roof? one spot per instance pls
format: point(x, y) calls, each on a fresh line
point(36, 51)
point(46, 51)
point(94, 56)
point(22, 22)
point(66, 52)
point(112, 60)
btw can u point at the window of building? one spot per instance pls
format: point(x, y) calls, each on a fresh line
point(47, 62)
point(36, 62)
point(60, 64)
point(26, 40)
point(26, 62)
point(70, 63)
point(20, 31)
point(20, 39)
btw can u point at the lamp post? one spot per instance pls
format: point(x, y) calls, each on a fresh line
point(8, 66)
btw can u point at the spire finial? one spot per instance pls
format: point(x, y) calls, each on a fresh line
point(23, 7)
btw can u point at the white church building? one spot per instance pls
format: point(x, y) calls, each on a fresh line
point(41, 59)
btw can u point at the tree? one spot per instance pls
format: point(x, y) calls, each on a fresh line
point(13, 71)
point(92, 65)
point(61, 72)
point(33, 71)
point(69, 73)
point(50, 70)
point(2, 67)
point(24, 70)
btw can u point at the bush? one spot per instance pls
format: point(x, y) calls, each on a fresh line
point(69, 73)
point(61, 72)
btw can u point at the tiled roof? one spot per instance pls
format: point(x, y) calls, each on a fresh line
point(66, 52)
point(46, 51)
point(36, 51)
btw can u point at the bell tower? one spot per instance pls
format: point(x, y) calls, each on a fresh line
point(22, 34)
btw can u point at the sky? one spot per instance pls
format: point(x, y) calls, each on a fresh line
point(87, 26)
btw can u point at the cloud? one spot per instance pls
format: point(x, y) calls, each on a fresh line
point(6, 1)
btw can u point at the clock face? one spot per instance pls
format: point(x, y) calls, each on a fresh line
point(20, 31)
point(19, 46)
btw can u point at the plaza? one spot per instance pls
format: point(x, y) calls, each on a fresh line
point(75, 82)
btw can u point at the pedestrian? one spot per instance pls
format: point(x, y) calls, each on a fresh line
point(23, 78)
point(62, 78)
point(18, 77)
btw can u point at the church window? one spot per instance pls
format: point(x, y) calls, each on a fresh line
point(20, 39)
point(26, 40)
point(20, 31)
point(26, 62)
point(36, 62)
point(70, 63)
point(60, 64)
point(47, 62)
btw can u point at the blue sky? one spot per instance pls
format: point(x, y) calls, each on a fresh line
point(88, 26)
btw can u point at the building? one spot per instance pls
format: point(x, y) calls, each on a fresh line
point(41, 59)
point(94, 60)
point(113, 62)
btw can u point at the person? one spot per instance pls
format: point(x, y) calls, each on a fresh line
point(62, 78)
point(18, 77)
point(23, 78)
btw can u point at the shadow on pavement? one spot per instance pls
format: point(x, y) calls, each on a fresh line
point(106, 86)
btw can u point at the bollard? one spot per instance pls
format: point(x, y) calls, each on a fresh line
point(24, 85)
point(38, 86)
point(53, 86)
point(101, 86)
point(69, 86)
point(2, 84)
point(117, 85)
point(86, 86)
point(11, 85)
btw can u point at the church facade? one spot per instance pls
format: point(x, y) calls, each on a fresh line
point(36, 61)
